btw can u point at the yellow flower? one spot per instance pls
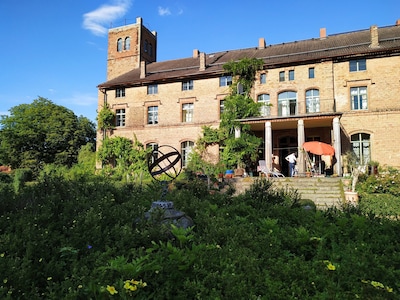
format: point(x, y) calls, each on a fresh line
point(2, 254)
point(111, 289)
point(331, 267)
point(133, 288)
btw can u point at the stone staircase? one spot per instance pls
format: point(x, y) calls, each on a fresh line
point(323, 191)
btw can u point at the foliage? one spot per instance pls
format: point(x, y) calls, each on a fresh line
point(243, 149)
point(128, 158)
point(42, 132)
point(105, 118)
point(89, 239)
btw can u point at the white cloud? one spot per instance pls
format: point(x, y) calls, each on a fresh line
point(97, 20)
point(163, 11)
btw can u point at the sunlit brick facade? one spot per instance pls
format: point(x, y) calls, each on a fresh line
point(340, 89)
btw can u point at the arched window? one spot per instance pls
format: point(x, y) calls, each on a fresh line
point(127, 43)
point(119, 45)
point(360, 142)
point(154, 151)
point(186, 149)
point(312, 101)
point(265, 109)
point(146, 46)
point(287, 103)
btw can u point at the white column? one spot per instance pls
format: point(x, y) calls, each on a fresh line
point(300, 142)
point(268, 144)
point(337, 145)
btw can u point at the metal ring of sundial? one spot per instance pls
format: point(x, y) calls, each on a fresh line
point(164, 161)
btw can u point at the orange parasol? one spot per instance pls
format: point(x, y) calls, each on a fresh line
point(319, 148)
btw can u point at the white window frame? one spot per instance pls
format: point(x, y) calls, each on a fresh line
point(152, 89)
point(265, 109)
point(225, 80)
point(358, 65)
point(186, 149)
point(120, 93)
point(152, 115)
point(287, 103)
point(187, 112)
point(187, 85)
point(120, 116)
point(312, 101)
point(359, 98)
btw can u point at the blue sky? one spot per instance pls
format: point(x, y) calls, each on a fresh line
point(58, 49)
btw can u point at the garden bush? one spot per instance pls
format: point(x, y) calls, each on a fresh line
point(88, 239)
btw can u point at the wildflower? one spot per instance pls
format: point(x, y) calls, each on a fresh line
point(89, 246)
point(49, 278)
point(2, 254)
point(111, 289)
point(331, 267)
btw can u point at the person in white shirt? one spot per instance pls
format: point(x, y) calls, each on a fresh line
point(291, 158)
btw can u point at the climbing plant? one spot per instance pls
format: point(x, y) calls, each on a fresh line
point(105, 118)
point(238, 105)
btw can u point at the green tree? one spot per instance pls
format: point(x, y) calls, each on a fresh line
point(41, 133)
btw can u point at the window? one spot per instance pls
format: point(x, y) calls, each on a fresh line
point(150, 49)
point(154, 151)
point(120, 92)
point(225, 80)
point(358, 97)
point(152, 115)
point(312, 101)
point(221, 107)
point(360, 144)
point(358, 65)
point(263, 78)
point(186, 149)
point(146, 46)
point(311, 73)
point(265, 109)
point(282, 76)
point(119, 45)
point(152, 89)
point(187, 112)
point(187, 85)
point(291, 75)
point(120, 117)
point(287, 104)
point(127, 43)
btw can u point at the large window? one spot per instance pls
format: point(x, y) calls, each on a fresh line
point(358, 65)
point(265, 109)
point(360, 143)
point(312, 101)
point(187, 112)
point(186, 149)
point(152, 89)
point(359, 98)
point(120, 92)
point(152, 115)
point(221, 107)
point(120, 117)
point(187, 85)
point(287, 104)
point(225, 80)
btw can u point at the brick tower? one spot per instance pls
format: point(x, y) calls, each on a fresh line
point(129, 45)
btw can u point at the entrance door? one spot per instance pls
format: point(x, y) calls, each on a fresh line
point(287, 145)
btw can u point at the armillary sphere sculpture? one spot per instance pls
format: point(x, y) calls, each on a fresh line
point(164, 165)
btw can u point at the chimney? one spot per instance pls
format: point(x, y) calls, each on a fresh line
point(196, 53)
point(142, 69)
point(398, 22)
point(261, 43)
point(374, 36)
point(202, 61)
point(322, 33)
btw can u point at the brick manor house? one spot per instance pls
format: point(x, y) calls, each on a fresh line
point(341, 89)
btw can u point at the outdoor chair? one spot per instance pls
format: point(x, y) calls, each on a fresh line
point(264, 169)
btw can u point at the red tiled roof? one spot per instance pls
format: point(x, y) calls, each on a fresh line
point(336, 46)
